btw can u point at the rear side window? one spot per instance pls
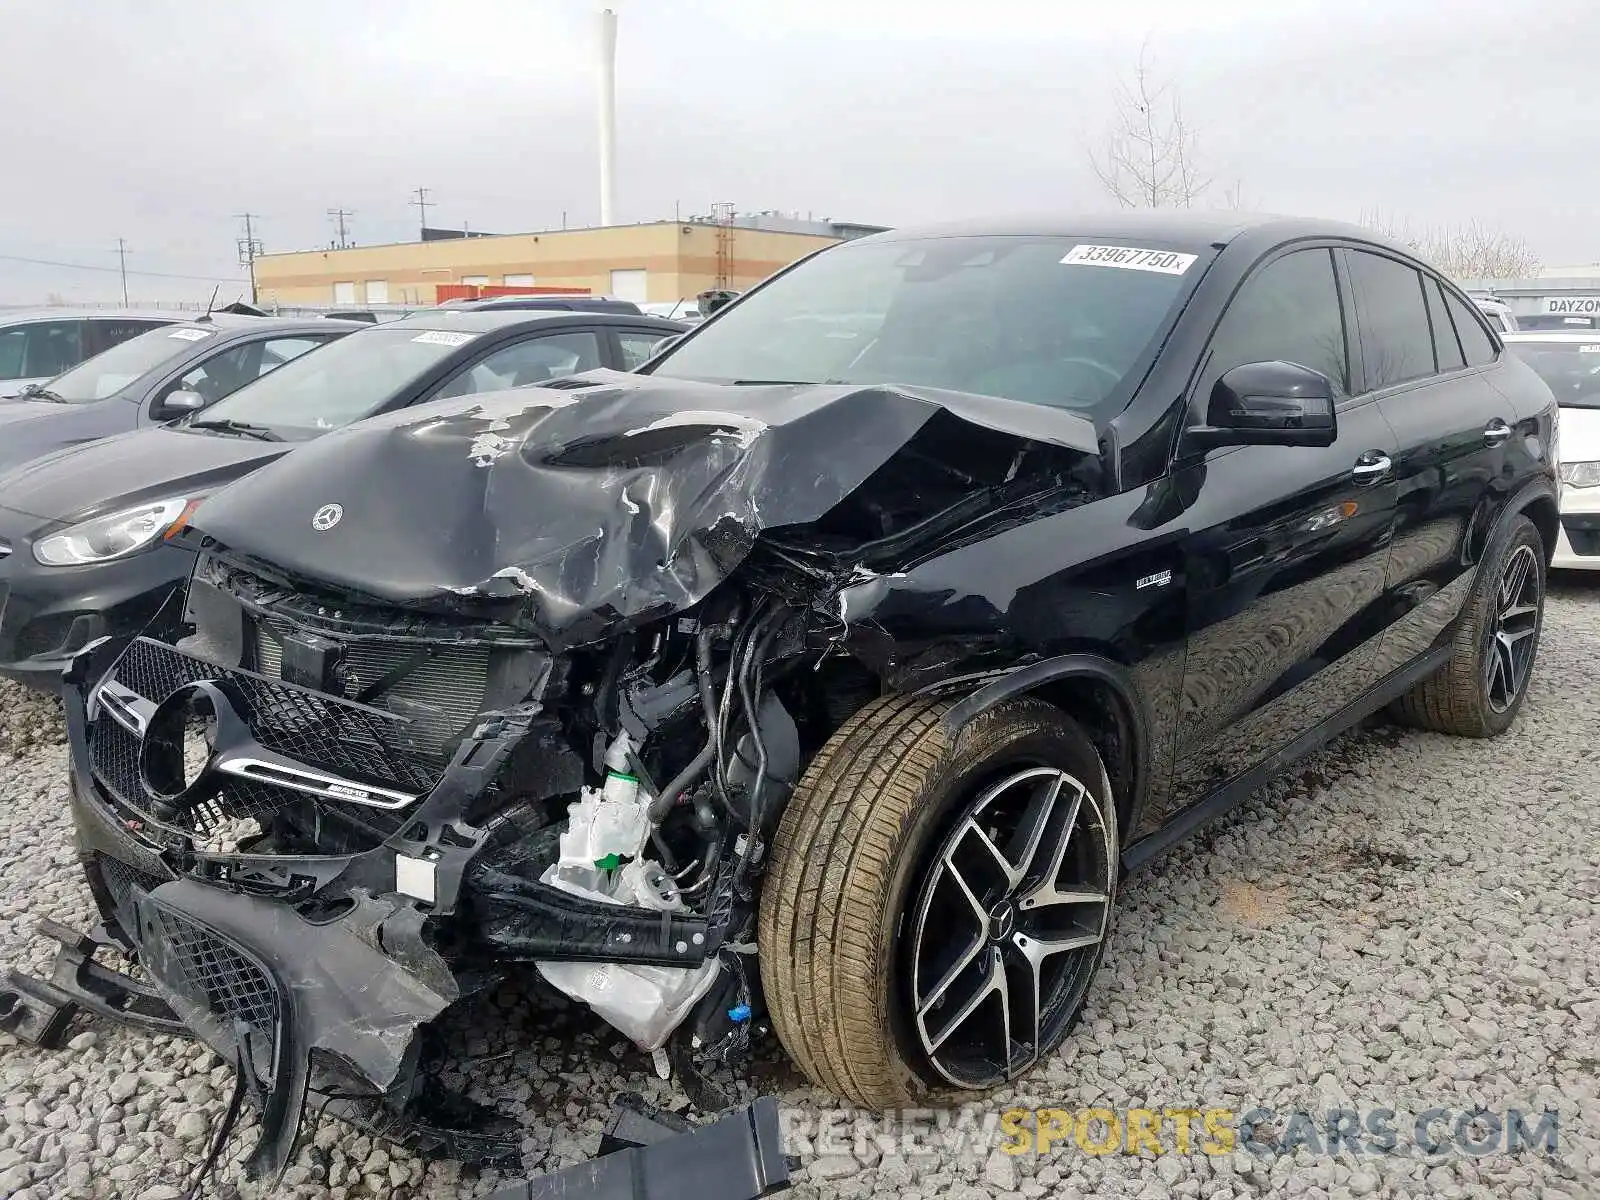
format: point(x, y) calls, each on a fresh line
point(40, 350)
point(637, 346)
point(1446, 348)
point(1396, 342)
point(106, 332)
point(1475, 341)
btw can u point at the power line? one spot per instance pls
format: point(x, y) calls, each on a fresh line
point(122, 266)
point(70, 266)
point(249, 250)
point(421, 204)
point(338, 216)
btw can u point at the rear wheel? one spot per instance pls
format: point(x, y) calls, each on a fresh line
point(938, 903)
point(1478, 691)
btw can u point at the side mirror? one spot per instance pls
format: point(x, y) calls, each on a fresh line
point(1268, 404)
point(178, 404)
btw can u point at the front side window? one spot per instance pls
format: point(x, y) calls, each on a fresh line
point(1288, 311)
point(1396, 342)
point(1570, 366)
point(1060, 321)
point(108, 373)
point(41, 349)
point(224, 374)
point(528, 362)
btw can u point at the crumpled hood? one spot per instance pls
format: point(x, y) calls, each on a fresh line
point(84, 481)
point(620, 500)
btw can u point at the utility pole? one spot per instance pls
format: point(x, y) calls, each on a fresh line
point(337, 216)
point(249, 250)
point(122, 260)
point(421, 204)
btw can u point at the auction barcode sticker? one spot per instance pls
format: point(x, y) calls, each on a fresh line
point(1130, 258)
point(441, 337)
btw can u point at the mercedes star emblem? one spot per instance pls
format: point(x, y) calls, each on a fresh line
point(327, 517)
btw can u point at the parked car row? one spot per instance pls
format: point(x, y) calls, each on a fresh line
point(87, 518)
point(825, 669)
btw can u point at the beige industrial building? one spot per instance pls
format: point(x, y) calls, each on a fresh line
point(656, 262)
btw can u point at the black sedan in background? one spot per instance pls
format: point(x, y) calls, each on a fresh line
point(84, 533)
point(169, 372)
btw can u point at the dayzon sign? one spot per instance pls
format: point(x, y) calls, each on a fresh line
point(1573, 306)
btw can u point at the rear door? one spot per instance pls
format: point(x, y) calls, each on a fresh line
point(1423, 351)
point(1284, 562)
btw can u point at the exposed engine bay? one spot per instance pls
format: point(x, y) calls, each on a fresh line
point(526, 687)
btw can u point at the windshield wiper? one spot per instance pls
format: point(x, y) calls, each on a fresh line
point(243, 428)
point(39, 393)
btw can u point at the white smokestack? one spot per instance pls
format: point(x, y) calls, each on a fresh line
point(608, 114)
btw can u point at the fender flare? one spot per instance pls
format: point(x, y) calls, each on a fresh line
point(988, 690)
point(1542, 488)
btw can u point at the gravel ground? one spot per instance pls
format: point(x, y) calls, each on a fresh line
point(1407, 922)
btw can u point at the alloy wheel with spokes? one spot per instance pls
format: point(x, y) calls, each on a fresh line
point(1508, 658)
point(1009, 921)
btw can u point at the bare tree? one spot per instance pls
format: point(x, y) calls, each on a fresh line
point(1471, 251)
point(1149, 156)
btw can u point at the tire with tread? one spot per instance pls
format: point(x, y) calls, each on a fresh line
point(1454, 699)
point(844, 864)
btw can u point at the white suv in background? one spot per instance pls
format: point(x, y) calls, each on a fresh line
point(37, 346)
point(1570, 364)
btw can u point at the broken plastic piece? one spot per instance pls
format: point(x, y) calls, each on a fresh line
point(739, 1157)
point(644, 1003)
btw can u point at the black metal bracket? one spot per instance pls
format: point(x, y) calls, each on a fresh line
point(40, 1011)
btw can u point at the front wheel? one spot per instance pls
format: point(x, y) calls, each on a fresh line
point(1478, 691)
point(938, 903)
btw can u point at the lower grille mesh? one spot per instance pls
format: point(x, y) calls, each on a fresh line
point(216, 978)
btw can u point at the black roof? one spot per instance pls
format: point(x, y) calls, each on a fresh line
point(492, 320)
point(1182, 226)
point(229, 325)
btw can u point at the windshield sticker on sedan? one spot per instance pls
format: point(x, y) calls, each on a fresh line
point(190, 335)
point(1589, 348)
point(438, 337)
point(1130, 258)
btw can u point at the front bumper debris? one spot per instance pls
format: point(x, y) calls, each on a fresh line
point(739, 1157)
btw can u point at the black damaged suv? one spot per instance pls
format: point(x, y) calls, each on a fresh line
point(828, 673)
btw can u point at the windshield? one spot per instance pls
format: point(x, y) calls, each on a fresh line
point(1057, 321)
point(108, 373)
point(1570, 367)
point(344, 381)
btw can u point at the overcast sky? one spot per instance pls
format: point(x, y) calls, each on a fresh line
point(159, 121)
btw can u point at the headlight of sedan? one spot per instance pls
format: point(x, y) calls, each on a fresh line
point(116, 534)
point(1581, 474)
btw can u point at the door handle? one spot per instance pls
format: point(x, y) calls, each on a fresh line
point(1495, 432)
point(1371, 466)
